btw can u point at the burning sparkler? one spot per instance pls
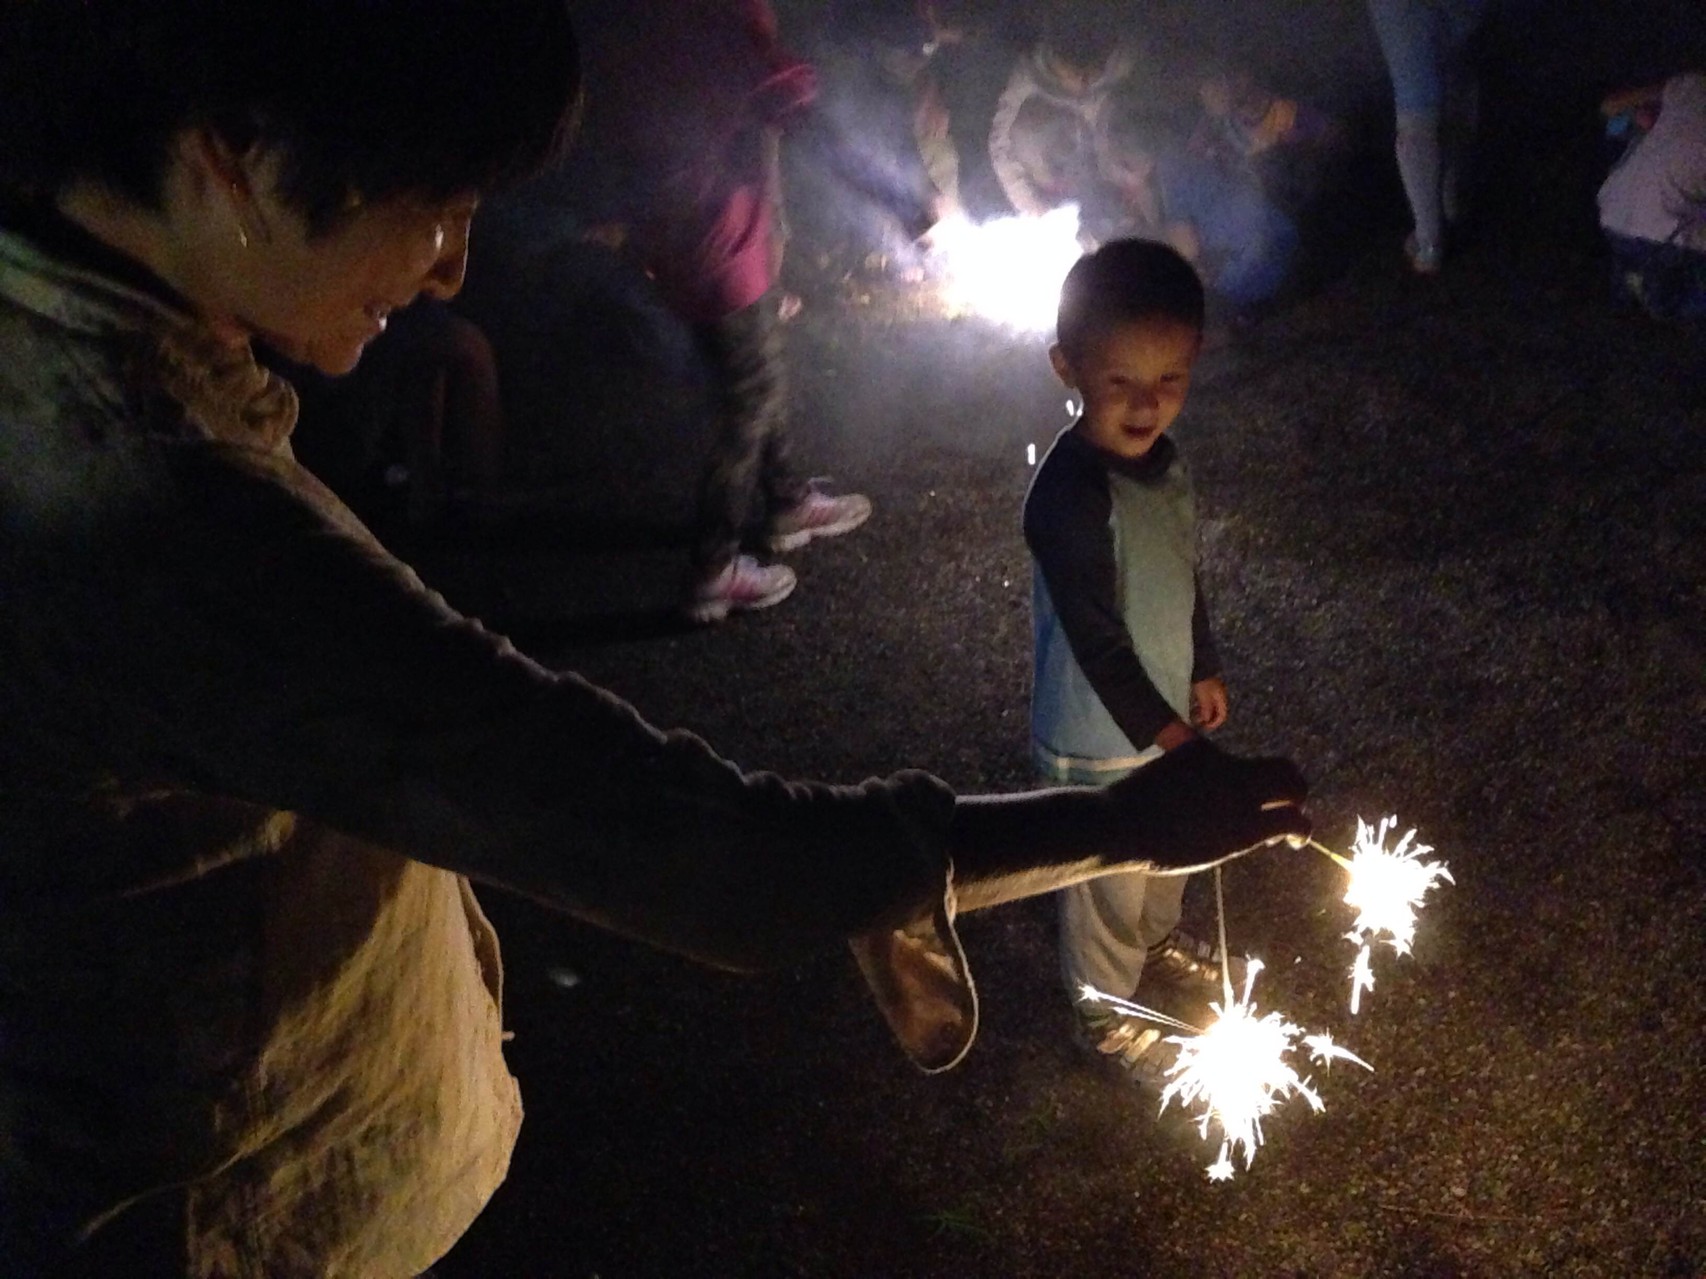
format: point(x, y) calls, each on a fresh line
point(1386, 887)
point(1008, 270)
point(1236, 1070)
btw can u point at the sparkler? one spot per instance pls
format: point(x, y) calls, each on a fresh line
point(1236, 1070)
point(1008, 270)
point(1386, 886)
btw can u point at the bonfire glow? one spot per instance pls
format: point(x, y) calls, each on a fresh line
point(1386, 887)
point(1007, 270)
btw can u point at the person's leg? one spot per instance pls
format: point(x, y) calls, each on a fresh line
point(1102, 945)
point(445, 406)
point(1163, 901)
point(748, 473)
point(935, 140)
point(1410, 41)
point(749, 466)
point(1456, 141)
point(1460, 106)
point(1184, 964)
point(1257, 269)
point(473, 409)
point(1420, 169)
point(1102, 935)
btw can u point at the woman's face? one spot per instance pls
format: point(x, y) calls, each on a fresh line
point(320, 300)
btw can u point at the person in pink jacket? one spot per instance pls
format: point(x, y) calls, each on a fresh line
point(694, 97)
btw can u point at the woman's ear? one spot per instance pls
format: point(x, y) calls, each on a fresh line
point(223, 175)
point(211, 160)
point(1062, 367)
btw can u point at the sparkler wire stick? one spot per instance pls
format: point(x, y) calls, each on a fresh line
point(1344, 862)
point(1090, 993)
point(1220, 917)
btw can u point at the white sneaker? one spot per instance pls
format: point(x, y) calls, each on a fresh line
point(817, 514)
point(740, 586)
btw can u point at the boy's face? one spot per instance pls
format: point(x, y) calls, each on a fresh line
point(1133, 377)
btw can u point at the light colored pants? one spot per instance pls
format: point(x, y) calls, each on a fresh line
point(1433, 94)
point(1107, 926)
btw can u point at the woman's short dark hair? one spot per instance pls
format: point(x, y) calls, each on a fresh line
point(1126, 280)
point(359, 99)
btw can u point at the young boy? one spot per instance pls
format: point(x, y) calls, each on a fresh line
point(1124, 663)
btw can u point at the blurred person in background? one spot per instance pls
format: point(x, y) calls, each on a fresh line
point(1042, 138)
point(417, 429)
point(881, 73)
point(1426, 47)
point(1283, 143)
point(1215, 213)
point(1652, 205)
point(692, 98)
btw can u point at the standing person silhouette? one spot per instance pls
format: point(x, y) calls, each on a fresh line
point(1425, 44)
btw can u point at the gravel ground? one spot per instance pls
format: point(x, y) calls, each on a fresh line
point(1453, 540)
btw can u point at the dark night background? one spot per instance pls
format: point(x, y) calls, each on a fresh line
point(1453, 540)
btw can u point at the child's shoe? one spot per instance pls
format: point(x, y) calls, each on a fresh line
point(1141, 1053)
point(817, 514)
point(1191, 966)
point(740, 586)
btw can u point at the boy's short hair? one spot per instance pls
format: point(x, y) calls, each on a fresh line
point(1122, 281)
point(365, 99)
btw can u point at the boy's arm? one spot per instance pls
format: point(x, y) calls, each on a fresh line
point(1066, 528)
point(1205, 657)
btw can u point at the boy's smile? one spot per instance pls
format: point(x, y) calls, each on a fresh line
point(1133, 376)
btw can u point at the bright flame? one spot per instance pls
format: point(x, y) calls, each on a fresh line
point(1008, 270)
point(1236, 1070)
point(1386, 887)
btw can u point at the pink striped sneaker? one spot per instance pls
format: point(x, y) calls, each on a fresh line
point(817, 514)
point(741, 586)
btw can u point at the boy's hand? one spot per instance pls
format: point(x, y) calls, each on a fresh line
point(1209, 703)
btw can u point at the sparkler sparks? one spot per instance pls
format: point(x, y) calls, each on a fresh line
point(1008, 270)
point(1236, 1070)
point(1386, 887)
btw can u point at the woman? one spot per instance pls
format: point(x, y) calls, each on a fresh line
point(249, 1007)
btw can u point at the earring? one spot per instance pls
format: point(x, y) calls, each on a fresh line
point(236, 200)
